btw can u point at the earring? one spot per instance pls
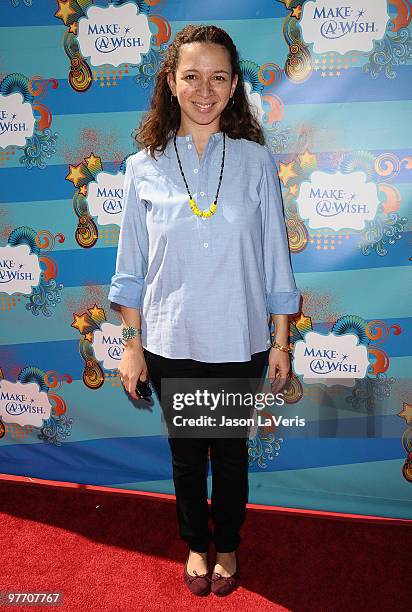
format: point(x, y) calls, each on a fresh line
point(171, 99)
point(233, 100)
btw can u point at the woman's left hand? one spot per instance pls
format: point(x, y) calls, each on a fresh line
point(279, 366)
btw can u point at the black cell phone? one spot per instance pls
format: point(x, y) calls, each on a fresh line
point(144, 390)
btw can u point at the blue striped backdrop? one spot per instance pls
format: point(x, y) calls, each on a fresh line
point(355, 453)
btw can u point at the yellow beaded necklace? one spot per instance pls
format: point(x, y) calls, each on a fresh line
point(212, 209)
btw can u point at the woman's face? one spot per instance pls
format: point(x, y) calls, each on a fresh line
point(203, 84)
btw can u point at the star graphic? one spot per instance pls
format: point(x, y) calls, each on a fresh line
point(303, 322)
point(73, 28)
point(89, 336)
point(293, 189)
point(76, 174)
point(406, 413)
point(65, 10)
point(93, 161)
point(13, 116)
point(126, 30)
point(286, 172)
point(96, 312)
point(83, 190)
point(80, 323)
point(307, 159)
point(296, 12)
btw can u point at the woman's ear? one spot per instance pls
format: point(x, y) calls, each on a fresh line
point(171, 82)
point(234, 83)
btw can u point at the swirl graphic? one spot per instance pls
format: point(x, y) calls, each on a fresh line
point(389, 52)
point(298, 66)
point(45, 240)
point(378, 233)
point(275, 74)
point(39, 147)
point(262, 448)
point(387, 165)
point(80, 75)
point(297, 234)
point(378, 331)
point(293, 390)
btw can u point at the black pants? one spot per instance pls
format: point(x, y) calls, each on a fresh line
point(228, 456)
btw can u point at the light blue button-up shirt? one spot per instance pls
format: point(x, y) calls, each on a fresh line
point(205, 286)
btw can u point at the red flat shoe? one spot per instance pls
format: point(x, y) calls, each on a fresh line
point(198, 584)
point(223, 585)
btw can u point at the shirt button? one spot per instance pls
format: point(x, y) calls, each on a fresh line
point(189, 146)
point(202, 193)
point(187, 137)
point(205, 244)
point(195, 170)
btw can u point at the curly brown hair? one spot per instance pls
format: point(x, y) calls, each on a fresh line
point(163, 116)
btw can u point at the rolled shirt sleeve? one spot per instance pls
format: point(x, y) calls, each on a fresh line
point(132, 252)
point(282, 295)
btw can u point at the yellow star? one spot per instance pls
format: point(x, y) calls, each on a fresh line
point(80, 323)
point(286, 172)
point(96, 312)
point(83, 190)
point(89, 336)
point(406, 413)
point(293, 189)
point(73, 28)
point(76, 174)
point(93, 162)
point(296, 12)
point(307, 159)
point(65, 10)
point(303, 323)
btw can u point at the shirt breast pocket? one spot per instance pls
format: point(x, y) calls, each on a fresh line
point(241, 203)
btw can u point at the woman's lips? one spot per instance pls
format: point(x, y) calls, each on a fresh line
point(202, 107)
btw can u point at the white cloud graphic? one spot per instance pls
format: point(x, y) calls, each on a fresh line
point(337, 200)
point(104, 198)
point(343, 27)
point(108, 345)
point(19, 269)
point(16, 120)
point(331, 360)
point(23, 403)
point(114, 35)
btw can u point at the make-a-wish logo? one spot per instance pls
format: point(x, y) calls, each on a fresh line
point(16, 120)
point(23, 403)
point(114, 35)
point(108, 345)
point(338, 200)
point(332, 26)
point(19, 269)
point(105, 196)
point(331, 360)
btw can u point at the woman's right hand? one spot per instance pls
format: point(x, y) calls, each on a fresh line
point(132, 368)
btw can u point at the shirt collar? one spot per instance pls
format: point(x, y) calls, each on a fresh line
point(189, 138)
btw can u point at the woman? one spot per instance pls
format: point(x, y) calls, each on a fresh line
point(202, 262)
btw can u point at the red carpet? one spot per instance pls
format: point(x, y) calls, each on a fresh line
point(121, 553)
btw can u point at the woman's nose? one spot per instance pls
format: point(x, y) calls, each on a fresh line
point(204, 87)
